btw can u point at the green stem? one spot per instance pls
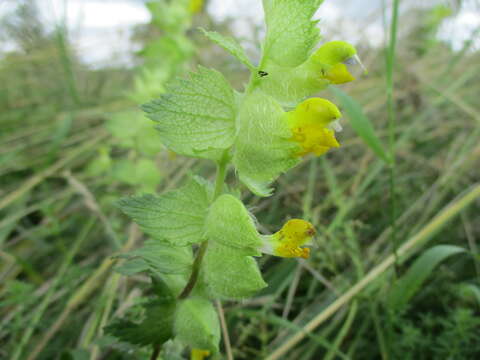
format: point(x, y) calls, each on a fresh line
point(390, 60)
point(195, 271)
point(390, 68)
point(219, 182)
point(221, 174)
point(156, 351)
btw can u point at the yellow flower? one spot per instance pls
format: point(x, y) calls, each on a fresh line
point(331, 61)
point(195, 6)
point(199, 354)
point(311, 125)
point(287, 241)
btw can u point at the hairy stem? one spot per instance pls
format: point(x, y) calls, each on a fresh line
point(195, 271)
point(156, 351)
point(221, 174)
point(219, 182)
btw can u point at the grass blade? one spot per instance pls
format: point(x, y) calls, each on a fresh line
point(361, 124)
point(406, 287)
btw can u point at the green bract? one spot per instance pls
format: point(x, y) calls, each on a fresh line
point(196, 324)
point(291, 33)
point(228, 270)
point(156, 328)
point(291, 85)
point(228, 274)
point(263, 149)
point(231, 46)
point(160, 258)
point(229, 223)
point(197, 116)
point(176, 217)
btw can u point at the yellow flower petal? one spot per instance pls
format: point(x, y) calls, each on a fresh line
point(199, 354)
point(287, 241)
point(195, 6)
point(330, 60)
point(309, 125)
point(338, 74)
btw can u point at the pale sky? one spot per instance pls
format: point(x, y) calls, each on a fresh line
point(100, 29)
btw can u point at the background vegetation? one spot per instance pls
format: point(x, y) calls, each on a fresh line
point(72, 141)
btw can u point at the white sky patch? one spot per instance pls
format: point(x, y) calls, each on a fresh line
point(94, 13)
point(101, 29)
point(336, 21)
point(243, 16)
point(339, 22)
point(461, 28)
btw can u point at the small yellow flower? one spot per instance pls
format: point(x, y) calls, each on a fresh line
point(199, 354)
point(311, 125)
point(195, 6)
point(287, 241)
point(331, 61)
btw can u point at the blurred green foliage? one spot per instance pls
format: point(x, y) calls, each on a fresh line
point(68, 150)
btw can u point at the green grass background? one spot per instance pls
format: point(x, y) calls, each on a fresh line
point(390, 277)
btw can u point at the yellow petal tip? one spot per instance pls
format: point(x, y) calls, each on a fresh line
point(288, 240)
point(199, 354)
point(309, 124)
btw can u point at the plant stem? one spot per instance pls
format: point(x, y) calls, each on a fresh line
point(223, 324)
point(219, 182)
point(390, 65)
point(156, 351)
point(195, 271)
point(221, 174)
point(390, 68)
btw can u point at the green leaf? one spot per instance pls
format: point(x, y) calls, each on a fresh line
point(361, 124)
point(291, 33)
point(156, 328)
point(171, 17)
point(132, 267)
point(147, 140)
point(134, 130)
point(167, 50)
point(161, 289)
point(264, 149)
point(147, 174)
point(123, 170)
point(231, 46)
point(176, 217)
point(196, 324)
point(125, 125)
point(196, 117)
point(100, 164)
point(469, 291)
point(161, 258)
point(229, 223)
point(406, 287)
point(228, 274)
point(143, 173)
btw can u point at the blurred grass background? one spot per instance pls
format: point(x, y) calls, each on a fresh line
point(72, 141)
